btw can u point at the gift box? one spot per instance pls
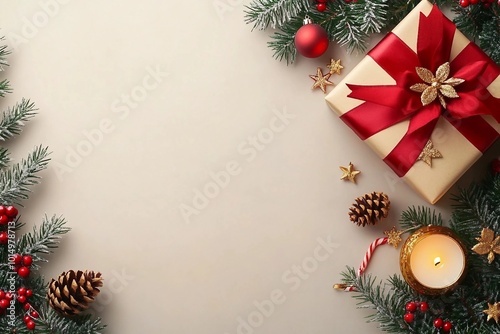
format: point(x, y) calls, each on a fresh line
point(425, 99)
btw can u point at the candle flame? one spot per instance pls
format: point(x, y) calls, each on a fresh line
point(437, 261)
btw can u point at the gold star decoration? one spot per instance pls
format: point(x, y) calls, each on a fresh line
point(493, 312)
point(393, 237)
point(320, 80)
point(488, 244)
point(429, 153)
point(349, 173)
point(439, 86)
point(335, 66)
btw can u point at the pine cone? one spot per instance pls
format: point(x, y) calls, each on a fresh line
point(370, 208)
point(73, 291)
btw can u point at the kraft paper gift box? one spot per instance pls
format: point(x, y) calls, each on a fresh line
point(398, 101)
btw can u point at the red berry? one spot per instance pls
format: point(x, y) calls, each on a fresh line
point(31, 325)
point(27, 260)
point(464, 3)
point(321, 7)
point(27, 306)
point(409, 317)
point(26, 318)
point(34, 314)
point(474, 2)
point(21, 291)
point(22, 299)
point(2, 294)
point(323, 1)
point(438, 323)
point(2, 210)
point(447, 326)
point(17, 258)
point(29, 293)
point(4, 303)
point(411, 307)
point(11, 211)
point(4, 238)
point(8, 296)
point(24, 272)
point(424, 307)
point(4, 219)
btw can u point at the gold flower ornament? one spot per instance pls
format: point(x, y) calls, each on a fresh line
point(438, 86)
point(488, 244)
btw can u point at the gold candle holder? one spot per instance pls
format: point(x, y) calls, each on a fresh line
point(433, 260)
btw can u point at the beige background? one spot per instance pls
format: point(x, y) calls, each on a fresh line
point(254, 251)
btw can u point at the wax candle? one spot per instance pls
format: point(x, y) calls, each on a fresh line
point(433, 260)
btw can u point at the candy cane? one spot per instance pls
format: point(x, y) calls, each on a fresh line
point(369, 253)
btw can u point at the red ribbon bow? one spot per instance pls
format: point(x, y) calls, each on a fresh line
point(387, 105)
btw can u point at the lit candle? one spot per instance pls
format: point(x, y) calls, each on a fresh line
point(433, 260)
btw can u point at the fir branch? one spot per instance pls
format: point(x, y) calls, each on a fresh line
point(13, 119)
point(15, 182)
point(43, 239)
point(348, 31)
point(489, 38)
point(414, 218)
point(4, 88)
point(372, 17)
point(265, 13)
point(50, 322)
point(282, 42)
point(3, 55)
point(4, 157)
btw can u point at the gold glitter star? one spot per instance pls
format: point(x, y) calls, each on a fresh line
point(429, 153)
point(493, 312)
point(349, 173)
point(439, 86)
point(334, 66)
point(394, 237)
point(488, 244)
point(320, 80)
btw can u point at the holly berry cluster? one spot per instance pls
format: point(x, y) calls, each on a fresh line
point(413, 307)
point(485, 3)
point(22, 296)
point(321, 4)
point(22, 265)
point(7, 214)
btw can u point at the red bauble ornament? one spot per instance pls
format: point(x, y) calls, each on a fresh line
point(424, 307)
point(311, 40)
point(23, 272)
point(447, 326)
point(438, 323)
point(409, 317)
point(411, 307)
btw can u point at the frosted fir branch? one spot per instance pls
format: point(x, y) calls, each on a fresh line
point(348, 32)
point(265, 13)
point(4, 157)
point(3, 55)
point(50, 322)
point(15, 182)
point(374, 16)
point(14, 118)
point(43, 239)
point(4, 87)
point(414, 218)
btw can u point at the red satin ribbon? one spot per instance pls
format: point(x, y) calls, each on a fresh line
point(387, 105)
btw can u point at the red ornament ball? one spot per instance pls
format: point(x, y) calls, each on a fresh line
point(447, 326)
point(311, 40)
point(424, 307)
point(409, 317)
point(23, 272)
point(438, 323)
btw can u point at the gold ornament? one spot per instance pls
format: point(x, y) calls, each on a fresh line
point(429, 153)
point(488, 244)
point(320, 80)
point(349, 173)
point(394, 237)
point(493, 312)
point(439, 86)
point(335, 66)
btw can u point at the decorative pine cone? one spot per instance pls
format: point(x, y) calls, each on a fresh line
point(370, 208)
point(72, 292)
